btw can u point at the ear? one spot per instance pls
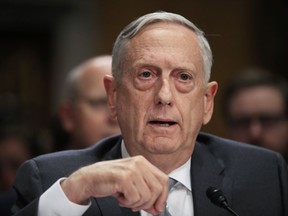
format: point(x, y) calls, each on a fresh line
point(66, 117)
point(110, 87)
point(210, 93)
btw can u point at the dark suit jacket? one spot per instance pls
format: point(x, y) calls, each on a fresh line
point(254, 180)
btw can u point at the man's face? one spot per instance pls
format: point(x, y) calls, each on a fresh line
point(258, 117)
point(162, 100)
point(91, 120)
point(13, 152)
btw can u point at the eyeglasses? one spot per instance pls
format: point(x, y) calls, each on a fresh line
point(95, 103)
point(266, 121)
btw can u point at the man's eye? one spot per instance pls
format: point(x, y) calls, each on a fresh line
point(145, 74)
point(184, 76)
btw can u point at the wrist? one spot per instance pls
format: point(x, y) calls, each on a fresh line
point(74, 189)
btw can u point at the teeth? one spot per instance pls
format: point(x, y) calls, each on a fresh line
point(164, 124)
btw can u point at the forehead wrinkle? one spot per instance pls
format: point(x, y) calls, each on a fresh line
point(149, 58)
point(147, 45)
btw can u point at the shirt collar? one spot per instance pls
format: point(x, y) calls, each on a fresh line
point(181, 174)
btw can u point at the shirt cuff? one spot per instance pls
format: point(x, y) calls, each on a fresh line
point(54, 202)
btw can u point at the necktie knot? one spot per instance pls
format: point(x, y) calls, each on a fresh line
point(172, 183)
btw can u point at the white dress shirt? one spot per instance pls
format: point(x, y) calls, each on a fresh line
point(54, 201)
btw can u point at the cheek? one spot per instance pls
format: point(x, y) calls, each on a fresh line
point(279, 133)
point(194, 110)
point(131, 108)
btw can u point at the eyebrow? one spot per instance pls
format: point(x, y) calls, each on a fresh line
point(151, 65)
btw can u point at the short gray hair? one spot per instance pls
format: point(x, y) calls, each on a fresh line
point(70, 90)
point(135, 26)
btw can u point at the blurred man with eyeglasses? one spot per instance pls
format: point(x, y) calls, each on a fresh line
point(255, 109)
point(83, 109)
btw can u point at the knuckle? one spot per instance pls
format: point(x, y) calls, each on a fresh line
point(139, 159)
point(125, 176)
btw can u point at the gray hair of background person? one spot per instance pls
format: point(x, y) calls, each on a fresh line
point(254, 77)
point(136, 26)
point(70, 89)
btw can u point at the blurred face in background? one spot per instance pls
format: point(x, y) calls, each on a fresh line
point(13, 152)
point(257, 116)
point(86, 118)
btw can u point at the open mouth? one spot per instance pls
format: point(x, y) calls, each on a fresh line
point(163, 123)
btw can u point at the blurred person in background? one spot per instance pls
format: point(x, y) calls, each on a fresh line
point(14, 150)
point(83, 114)
point(17, 144)
point(256, 108)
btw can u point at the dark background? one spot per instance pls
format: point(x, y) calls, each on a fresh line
point(41, 40)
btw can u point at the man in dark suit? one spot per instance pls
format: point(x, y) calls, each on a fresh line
point(161, 95)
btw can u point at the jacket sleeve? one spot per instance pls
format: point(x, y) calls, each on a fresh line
point(28, 187)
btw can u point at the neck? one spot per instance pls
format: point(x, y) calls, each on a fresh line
point(165, 162)
point(168, 163)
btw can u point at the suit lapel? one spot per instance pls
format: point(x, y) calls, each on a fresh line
point(206, 171)
point(115, 152)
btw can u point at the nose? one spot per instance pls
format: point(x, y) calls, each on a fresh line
point(255, 129)
point(164, 94)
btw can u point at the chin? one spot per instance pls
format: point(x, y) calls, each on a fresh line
point(161, 145)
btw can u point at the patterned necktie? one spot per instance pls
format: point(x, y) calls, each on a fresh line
point(172, 183)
